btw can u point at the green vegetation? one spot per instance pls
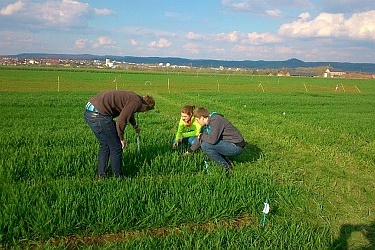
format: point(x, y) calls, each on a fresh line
point(311, 152)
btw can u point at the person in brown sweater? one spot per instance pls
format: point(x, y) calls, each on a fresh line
point(99, 114)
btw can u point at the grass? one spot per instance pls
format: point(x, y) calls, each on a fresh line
point(311, 153)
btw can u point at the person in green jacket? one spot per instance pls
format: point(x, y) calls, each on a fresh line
point(188, 127)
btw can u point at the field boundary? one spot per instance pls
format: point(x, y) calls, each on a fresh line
point(76, 241)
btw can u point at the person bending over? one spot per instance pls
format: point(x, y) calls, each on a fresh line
point(99, 114)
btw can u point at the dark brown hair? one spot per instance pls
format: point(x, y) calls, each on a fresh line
point(149, 101)
point(201, 111)
point(188, 109)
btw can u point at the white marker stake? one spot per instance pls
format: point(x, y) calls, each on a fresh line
point(342, 87)
point(260, 85)
point(305, 87)
point(266, 210)
point(357, 88)
point(115, 81)
point(206, 167)
point(58, 84)
point(168, 87)
point(138, 143)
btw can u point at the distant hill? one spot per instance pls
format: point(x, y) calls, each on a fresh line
point(288, 64)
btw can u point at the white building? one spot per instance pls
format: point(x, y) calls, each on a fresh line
point(330, 73)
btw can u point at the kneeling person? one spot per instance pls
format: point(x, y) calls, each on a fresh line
point(188, 127)
point(219, 138)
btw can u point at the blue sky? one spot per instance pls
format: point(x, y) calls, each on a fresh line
point(310, 30)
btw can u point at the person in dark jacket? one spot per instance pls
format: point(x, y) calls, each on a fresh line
point(99, 114)
point(219, 138)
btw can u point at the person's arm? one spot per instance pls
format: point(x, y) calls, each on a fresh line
point(132, 120)
point(180, 128)
point(125, 116)
point(193, 147)
point(134, 123)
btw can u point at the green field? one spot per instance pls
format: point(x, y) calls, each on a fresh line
point(310, 152)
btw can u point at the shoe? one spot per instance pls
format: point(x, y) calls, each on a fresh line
point(101, 177)
point(229, 168)
point(230, 164)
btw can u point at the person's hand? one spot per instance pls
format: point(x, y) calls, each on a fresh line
point(123, 144)
point(176, 143)
point(186, 153)
point(199, 137)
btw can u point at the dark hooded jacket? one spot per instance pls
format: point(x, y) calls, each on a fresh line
point(217, 129)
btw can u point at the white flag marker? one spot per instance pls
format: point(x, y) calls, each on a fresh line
point(266, 210)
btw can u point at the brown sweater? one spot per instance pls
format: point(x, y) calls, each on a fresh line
point(118, 103)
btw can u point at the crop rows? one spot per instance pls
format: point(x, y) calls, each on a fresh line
point(306, 153)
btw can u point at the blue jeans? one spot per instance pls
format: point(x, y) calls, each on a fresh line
point(104, 128)
point(188, 141)
point(219, 152)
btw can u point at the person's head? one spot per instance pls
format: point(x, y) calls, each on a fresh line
point(187, 112)
point(201, 115)
point(148, 103)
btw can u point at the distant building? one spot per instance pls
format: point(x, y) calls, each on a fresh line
point(329, 73)
point(283, 73)
point(108, 63)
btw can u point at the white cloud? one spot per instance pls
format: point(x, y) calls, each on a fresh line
point(145, 32)
point(262, 38)
point(192, 48)
point(98, 43)
point(103, 41)
point(59, 12)
point(238, 6)
point(133, 42)
point(275, 12)
point(304, 16)
point(261, 6)
point(235, 36)
point(359, 26)
point(11, 9)
point(103, 12)
point(162, 43)
point(228, 37)
point(194, 36)
point(172, 14)
point(81, 44)
point(45, 14)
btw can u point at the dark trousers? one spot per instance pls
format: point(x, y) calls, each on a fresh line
point(104, 128)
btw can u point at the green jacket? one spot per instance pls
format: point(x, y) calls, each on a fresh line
point(184, 131)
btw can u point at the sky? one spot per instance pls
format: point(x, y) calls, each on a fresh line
point(272, 30)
